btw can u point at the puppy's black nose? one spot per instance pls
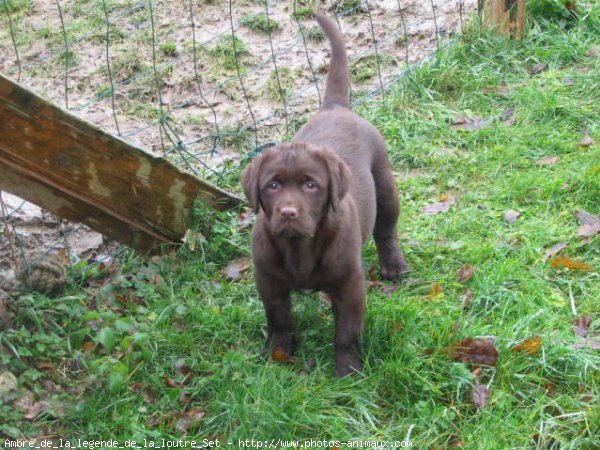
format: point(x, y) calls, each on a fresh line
point(289, 212)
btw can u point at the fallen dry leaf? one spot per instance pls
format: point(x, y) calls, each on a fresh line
point(548, 160)
point(511, 216)
point(280, 355)
point(245, 219)
point(478, 352)
point(586, 141)
point(438, 207)
point(443, 198)
point(593, 52)
point(465, 273)
point(508, 115)
point(564, 261)
point(537, 68)
point(590, 224)
point(8, 382)
point(479, 395)
point(470, 123)
point(236, 267)
point(436, 293)
point(555, 249)
point(467, 298)
point(172, 383)
point(581, 325)
point(531, 346)
point(588, 344)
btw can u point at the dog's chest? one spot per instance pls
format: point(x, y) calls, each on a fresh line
point(303, 267)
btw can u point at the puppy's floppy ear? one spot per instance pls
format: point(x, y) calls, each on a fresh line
point(338, 173)
point(250, 177)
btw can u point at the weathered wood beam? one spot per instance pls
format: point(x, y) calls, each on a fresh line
point(70, 167)
point(506, 17)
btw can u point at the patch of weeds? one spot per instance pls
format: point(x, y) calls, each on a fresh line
point(140, 110)
point(116, 35)
point(365, 68)
point(223, 56)
point(195, 120)
point(69, 58)
point(345, 6)
point(286, 81)
point(562, 11)
point(303, 13)
point(314, 33)
point(239, 139)
point(102, 91)
point(16, 8)
point(259, 22)
point(127, 63)
point(43, 32)
point(169, 49)
point(400, 41)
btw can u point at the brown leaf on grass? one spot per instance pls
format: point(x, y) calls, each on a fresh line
point(531, 346)
point(436, 293)
point(564, 261)
point(537, 68)
point(280, 355)
point(593, 52)
point(511, 216)
point(31, 411)
point(508, 115)
point(44, 365)
point(469, 123)
point(236, 267)
point(443, 198)
point(555, 249)
point(581, 325)
point(465, 273)
point(438, 207)
point(586, 141)
point(467, 298)
point(479, 395)
point(590, 224)
point(245, 219)
point(478, 352)
point(189, 419)
point(548, 160)
point(587, 344)
point(172, 383)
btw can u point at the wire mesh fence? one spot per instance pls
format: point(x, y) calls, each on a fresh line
point(204, 83)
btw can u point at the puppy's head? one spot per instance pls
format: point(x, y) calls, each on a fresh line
point(296, 185)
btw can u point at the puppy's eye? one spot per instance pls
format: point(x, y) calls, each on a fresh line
point(273, 185)
point(311, 185)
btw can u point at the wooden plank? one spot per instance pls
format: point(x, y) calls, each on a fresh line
point(70, 167)
point(506, 17)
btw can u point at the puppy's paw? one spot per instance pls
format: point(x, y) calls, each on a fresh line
point(394, 268)
point(281, 346)
point(347, 364)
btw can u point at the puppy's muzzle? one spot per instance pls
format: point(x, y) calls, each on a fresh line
point(289, 213)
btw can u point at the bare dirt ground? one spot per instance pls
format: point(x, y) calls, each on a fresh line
point(142, 39)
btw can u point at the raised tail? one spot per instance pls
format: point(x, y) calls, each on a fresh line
point(338, 83)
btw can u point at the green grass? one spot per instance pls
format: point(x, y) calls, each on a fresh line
point(168, 347)
point(259, 22)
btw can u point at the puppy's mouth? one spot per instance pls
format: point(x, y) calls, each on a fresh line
point(292, 230)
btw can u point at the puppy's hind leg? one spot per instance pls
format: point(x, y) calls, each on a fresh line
point(391, 260)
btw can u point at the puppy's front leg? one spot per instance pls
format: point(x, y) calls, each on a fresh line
point(348, 303)
point(278, 307)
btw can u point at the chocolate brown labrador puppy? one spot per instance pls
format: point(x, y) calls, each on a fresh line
point(318, 199)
